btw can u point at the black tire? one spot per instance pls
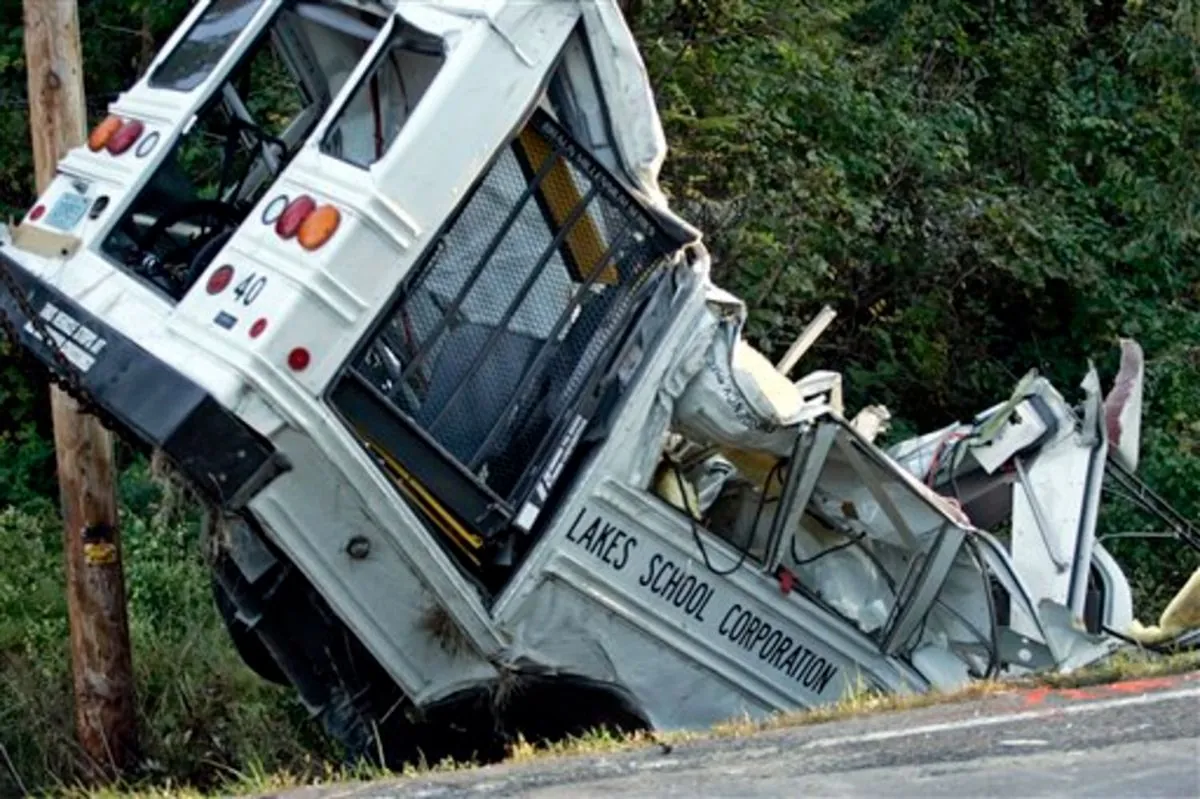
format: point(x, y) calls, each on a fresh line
point(247, 643)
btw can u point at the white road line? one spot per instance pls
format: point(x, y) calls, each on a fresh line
point(991, 721)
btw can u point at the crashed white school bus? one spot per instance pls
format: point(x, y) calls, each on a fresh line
point(393, 286)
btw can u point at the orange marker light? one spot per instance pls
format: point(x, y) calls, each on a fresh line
point(318, 227)
point(102, 133)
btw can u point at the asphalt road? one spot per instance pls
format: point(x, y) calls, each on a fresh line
point(1134, 739)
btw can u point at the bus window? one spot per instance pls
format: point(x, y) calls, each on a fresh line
point(206, 44)
point(381, 104)
point(242, 138)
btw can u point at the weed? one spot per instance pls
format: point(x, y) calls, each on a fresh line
point(203, 716)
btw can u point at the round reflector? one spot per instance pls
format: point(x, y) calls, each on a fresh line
point(257, 328)
point(319, 227)
point(102, 133)
point(219, 280)
point(37, 213)
point(147, 145)
point(294, 215)
point(298, 359)
point(275, 209)
point(125, 137)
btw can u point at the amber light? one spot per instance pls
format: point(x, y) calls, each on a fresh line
point(298, 359)
point(293, 216)
point(100, 134)
point(219, 280)
point(319, 226)
point(126, 137)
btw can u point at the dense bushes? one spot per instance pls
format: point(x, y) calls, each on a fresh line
point(978, 188)
point(202, 713)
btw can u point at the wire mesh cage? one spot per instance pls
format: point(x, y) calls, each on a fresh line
point(515, 307)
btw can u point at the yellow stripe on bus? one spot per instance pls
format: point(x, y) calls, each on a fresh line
point(468, 542)
point(560, 196)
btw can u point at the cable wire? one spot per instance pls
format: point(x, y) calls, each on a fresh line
point(798, 561)
point(691, 514)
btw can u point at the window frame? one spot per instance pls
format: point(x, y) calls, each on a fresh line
point(205, 97)
point(366, 71)
point(568, 114)
point(222, 67)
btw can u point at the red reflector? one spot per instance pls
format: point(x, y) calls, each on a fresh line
point(298, 359)
point(124, 138)
point(294, 215)
point(219, 280)
point(257, 328)
point(37, 213)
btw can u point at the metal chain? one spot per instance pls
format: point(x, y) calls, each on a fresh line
point(66, 375)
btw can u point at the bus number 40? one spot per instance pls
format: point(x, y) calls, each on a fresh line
point(248, 290)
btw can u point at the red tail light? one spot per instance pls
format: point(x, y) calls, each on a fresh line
point(293, 216)
point(37, 213)
point(219, 280)
point(298, 359)
point(125, 137)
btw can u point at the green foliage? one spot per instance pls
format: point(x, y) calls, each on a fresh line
point(203, 715)
point(978, 189)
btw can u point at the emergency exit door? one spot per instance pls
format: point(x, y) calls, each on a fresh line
point(483, 374)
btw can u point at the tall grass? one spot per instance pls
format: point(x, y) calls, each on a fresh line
point(204, 717)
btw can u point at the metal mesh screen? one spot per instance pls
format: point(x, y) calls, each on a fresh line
point(514, 305)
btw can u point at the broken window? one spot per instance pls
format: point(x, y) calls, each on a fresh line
point(574, 97)
point(480, 375)
point(722, 500)
point(238, 144)
point(382, 103)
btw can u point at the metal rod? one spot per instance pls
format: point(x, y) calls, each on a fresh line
point(1039, 518)
point(469, 283)
point(1152, 503)
point(806, 339)
point(534, 274)
point(543, 354)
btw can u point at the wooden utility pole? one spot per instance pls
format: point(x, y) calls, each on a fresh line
point(100, 655)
